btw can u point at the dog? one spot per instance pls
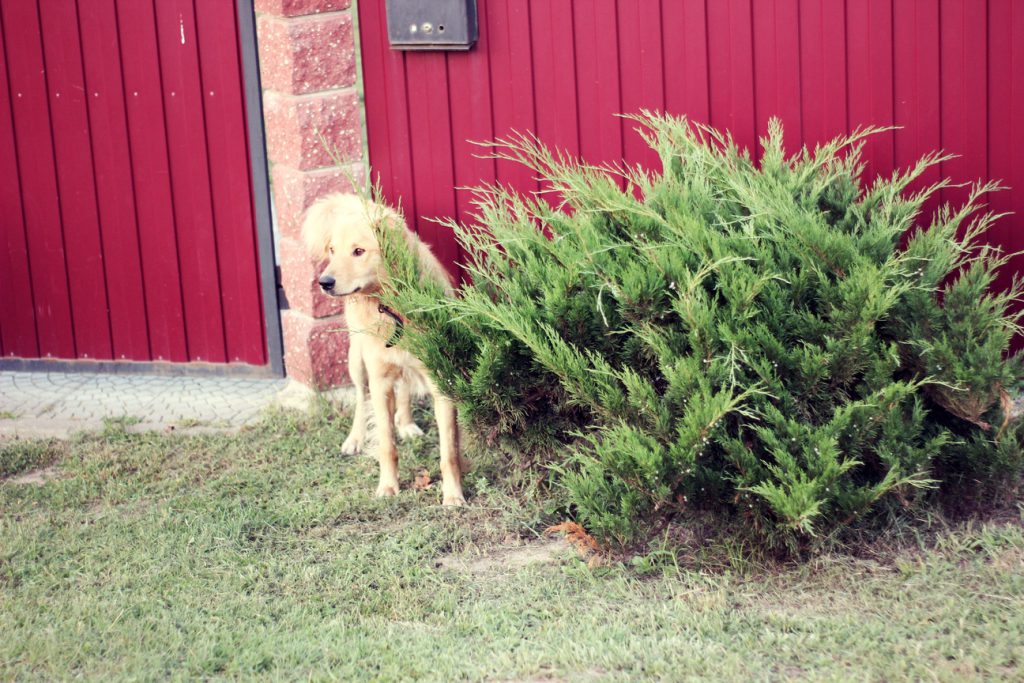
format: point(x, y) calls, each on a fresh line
point(340, 229)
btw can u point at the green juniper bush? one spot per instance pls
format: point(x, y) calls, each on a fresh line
point(771, 340)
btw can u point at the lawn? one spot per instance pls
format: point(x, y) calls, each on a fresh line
point(263, 554)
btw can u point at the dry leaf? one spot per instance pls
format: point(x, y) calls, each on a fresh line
point(584, 543)
point(422, 481)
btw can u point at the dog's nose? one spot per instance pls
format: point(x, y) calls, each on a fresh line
point(326, 283)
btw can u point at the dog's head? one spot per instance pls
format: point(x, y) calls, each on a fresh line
point(341, 229)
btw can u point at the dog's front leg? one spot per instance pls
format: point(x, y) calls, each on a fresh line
point(357, 371)
point(451, 464)
point(382, 393)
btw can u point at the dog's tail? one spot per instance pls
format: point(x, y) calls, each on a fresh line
point(416, 382)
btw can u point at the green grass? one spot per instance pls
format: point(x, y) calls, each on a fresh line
point(22, 456)
point(263, 554)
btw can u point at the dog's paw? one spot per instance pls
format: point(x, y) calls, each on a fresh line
point(353, 444)
point(409, 431)
point(386, 489)
point(453, 500)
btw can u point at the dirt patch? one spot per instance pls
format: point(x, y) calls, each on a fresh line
point(503, 559)
point(45, 428)
point(36, 477)
point(552, 677)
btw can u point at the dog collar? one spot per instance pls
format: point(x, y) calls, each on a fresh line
point(399, 325)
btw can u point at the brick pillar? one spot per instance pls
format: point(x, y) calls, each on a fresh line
point(308, 69)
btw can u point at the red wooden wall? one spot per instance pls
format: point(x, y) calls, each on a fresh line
point(126, 212)
point(951, 72)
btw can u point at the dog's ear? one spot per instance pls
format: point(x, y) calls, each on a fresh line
point(316, 232)
point(397, 221)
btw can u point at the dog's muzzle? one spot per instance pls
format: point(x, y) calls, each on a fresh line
point(326, 283)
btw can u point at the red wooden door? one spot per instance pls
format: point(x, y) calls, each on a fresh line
point(127, 227)
point(950, 72)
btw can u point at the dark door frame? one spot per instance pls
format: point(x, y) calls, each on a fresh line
point(265, 242)
point(260, 184)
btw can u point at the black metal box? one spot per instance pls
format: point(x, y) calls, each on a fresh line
point(432, 24)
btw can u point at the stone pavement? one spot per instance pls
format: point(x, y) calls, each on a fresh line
point(45, 404)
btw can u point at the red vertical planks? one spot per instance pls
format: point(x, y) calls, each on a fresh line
point(103, 176)
point(823, 70)
point(18, 329)
point(777, 67)
point(916, 85)
point(685, 35)
point(595, 36)
point(731, 67)
point(870, 96)
point(230, 183)
point(387, 116)
point(432, 167)
point(76, 185)
point(190, 179)
point(373, 43)
point(1006, 124)
point(508, 23)
point(37, 171)
point(472, 122)
point(554, 79)
point(113, 176)
point(554, 69)
point(963, 53)
point(640, 56)
point(147, 135)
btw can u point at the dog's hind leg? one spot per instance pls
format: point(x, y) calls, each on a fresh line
point(404, 424)
point(382, 393)
point(357, 371)
point(451, 460)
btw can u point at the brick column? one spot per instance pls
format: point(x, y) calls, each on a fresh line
point(308, 69)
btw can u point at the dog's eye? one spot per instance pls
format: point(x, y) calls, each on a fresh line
point(358, 251)
point(330, 250)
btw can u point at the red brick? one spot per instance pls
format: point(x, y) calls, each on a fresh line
point(299, 273)
point(295, 190)
point(312, 131)
point(293, 8)
point(307, 54)
point(315, 351)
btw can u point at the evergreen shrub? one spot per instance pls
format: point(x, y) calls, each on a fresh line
point(771, 340)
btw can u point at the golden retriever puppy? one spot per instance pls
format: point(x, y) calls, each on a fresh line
point(340, 229)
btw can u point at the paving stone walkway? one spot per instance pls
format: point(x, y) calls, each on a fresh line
point(55, 404)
